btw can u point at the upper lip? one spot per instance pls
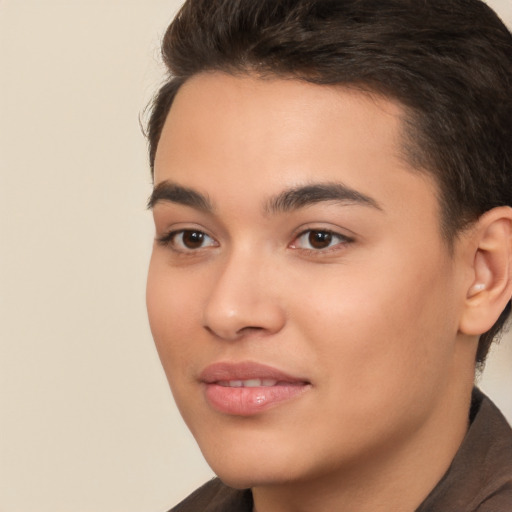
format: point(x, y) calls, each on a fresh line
point(227, 371)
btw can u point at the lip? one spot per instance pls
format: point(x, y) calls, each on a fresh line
point(249, 401)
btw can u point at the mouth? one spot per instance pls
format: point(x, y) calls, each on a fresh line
point(249, 383)
point(247, 389)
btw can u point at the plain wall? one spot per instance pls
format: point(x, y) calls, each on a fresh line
point(87, 422)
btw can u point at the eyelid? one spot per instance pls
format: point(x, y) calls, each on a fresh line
point(168, 237)
point(343, 240)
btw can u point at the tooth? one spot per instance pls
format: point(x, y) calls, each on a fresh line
point(252, 383)
point(249, 383)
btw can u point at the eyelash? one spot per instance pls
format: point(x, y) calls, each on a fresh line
point(169, 240)
point(342, 240)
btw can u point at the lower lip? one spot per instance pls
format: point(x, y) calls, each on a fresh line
point(246, 401)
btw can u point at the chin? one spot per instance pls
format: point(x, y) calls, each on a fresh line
point(251, 477)
point(241, 472)
point(267, 465)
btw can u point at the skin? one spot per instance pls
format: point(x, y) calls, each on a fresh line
point(372, 320)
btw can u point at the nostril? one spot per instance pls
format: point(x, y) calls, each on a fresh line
point(232, 334)
point(249, 329)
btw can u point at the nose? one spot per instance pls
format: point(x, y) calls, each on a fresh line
point(244, 299)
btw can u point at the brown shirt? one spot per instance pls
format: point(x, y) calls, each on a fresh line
point(478, 480)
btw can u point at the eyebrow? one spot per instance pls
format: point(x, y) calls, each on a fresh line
point(289, 200)
point(302, 196)
point(167, 191)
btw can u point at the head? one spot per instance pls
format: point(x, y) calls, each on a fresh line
point(450, 68)
point(332, 182)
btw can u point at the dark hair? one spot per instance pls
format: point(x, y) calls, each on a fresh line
point(449, 63)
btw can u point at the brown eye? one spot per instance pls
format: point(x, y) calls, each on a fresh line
point(319, 239)
point(188, 240)
point(192, 239)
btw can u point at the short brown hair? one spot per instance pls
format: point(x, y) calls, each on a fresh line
point(449, 62)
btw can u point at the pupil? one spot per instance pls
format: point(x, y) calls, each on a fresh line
point(320, 239)
point(193, 239)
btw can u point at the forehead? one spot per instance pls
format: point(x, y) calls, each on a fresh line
point(248, 137)
point(280, 114)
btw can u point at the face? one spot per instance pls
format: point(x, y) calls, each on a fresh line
point(303, 302)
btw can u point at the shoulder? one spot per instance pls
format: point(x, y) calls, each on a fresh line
point(214, 496)
point(480, 477)
point(500, 501)
point(493, 450)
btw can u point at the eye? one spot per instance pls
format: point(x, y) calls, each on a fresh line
point(319, 239)
point(187, 240)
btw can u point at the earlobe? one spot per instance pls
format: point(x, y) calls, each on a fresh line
point(491, 285)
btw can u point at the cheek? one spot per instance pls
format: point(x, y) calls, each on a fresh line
point(386, 323)
point(170, 303)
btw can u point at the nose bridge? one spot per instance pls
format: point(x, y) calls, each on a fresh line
point(243, 297)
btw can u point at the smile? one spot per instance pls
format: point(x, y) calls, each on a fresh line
point(247, 389)
point(249, 383)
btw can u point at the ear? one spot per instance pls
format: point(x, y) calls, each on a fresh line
point(490, 283)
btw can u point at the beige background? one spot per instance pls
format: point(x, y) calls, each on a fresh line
point(86, 420)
